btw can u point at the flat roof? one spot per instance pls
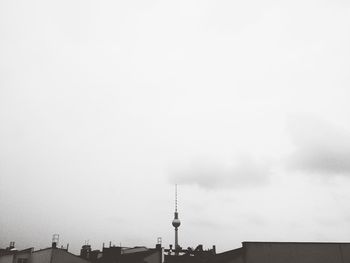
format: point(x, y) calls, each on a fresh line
point(295, 242)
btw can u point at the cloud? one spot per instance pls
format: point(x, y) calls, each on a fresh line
point(209, 174)
point(320, 147)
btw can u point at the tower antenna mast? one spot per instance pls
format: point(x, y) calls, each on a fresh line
point(176, 198)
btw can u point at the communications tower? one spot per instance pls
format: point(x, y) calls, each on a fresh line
point(176, 223)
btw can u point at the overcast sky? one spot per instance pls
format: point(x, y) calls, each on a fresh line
point(105, 105)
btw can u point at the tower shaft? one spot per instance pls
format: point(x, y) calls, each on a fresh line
point(176, 242)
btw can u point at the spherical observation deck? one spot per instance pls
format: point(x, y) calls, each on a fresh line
point(176, 222)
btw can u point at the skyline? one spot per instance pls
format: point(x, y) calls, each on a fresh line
point(104, 106)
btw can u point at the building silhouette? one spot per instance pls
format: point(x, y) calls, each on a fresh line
point(48, 255)
point(118, 254)
point(286, 252)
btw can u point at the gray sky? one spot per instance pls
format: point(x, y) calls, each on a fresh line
point(105, 105)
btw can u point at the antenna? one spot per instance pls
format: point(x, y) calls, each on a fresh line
point(175, 197)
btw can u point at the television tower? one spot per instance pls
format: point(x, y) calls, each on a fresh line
point(176, 223)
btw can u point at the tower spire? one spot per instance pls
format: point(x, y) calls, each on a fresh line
point(175, 197)
point(176, 223)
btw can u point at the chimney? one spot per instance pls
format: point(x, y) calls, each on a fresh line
point(159, 243)
point(85, 251)
point(12, 245)
point(55, 239)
